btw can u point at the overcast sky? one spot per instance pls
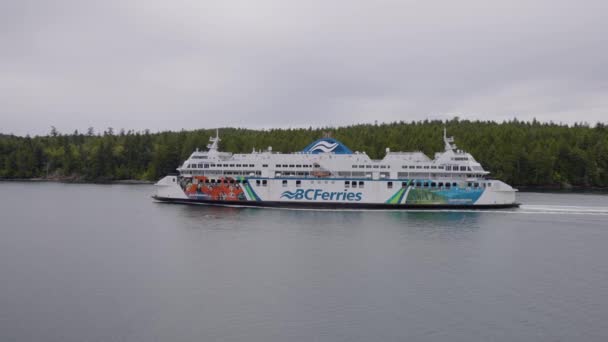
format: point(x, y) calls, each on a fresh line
point(259, 64)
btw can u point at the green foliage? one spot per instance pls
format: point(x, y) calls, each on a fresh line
point(520, 153)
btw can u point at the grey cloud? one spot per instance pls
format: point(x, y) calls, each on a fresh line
point(189, 64)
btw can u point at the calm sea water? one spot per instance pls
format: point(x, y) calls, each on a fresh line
point(106, 263)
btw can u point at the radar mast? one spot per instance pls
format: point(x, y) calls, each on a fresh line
point(214, 141)
point(449, 142)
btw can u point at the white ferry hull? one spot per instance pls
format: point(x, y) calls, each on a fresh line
point(332, 193)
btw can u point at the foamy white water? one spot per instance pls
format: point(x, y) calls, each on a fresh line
point(563, 209)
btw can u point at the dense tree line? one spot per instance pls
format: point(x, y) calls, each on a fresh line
point(520, 153)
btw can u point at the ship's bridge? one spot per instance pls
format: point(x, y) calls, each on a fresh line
point(458, 158)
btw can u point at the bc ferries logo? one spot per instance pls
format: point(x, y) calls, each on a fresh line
point(323, 146)
point(327, 145)
point(319, 194)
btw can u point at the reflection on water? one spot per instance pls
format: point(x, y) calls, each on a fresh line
point(422, 217)
point(445, 224)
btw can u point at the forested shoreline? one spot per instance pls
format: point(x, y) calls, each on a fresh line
point(527, 154)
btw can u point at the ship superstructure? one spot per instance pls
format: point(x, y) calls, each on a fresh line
point(327, 174)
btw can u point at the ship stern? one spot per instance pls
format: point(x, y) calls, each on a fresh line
point(168, 188)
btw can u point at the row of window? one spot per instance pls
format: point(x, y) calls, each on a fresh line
point(291, 174)
point(436, 174)
point(426, 184)
point(298, 183)
point(446, 185)
point(353, 184)
point(419, 184)
point(447, 167)
point(440, 167)
point(262, 182)
point(306, 174)
point(422, 167)
point(456, 168)
point(294, 165)
point(244, 173)
point(357, 184)
point(371, 166)
point(220, 172)
point(206, 166)
point(432, 167)
point(224, 181)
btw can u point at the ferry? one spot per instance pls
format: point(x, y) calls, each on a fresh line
point(328, 175)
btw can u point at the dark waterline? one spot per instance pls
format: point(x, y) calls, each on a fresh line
point(85, 262)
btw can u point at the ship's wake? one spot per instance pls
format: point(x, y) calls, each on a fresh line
point(562, 209)
point(523, 209)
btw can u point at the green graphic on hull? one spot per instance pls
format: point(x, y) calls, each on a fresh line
point(424, 196)
point(443, 196)
point(429, 193)
point(397, 197)
point(251, 194)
